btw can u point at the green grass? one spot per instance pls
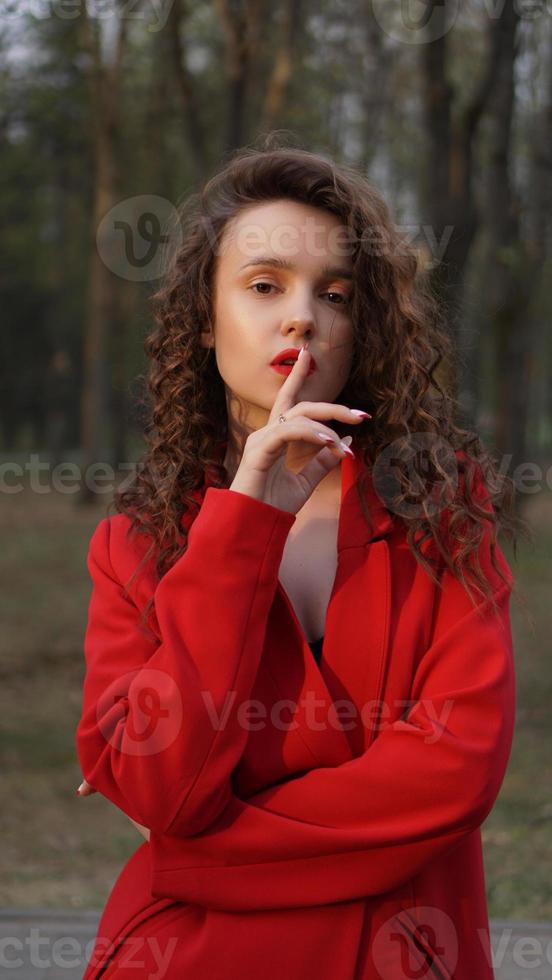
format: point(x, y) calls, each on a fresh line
point(58, 850)
point(517, 834)
point(62, 851)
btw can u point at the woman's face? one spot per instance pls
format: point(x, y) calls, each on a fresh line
point(260, 308)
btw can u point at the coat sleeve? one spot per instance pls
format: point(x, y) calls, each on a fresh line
point(370, 824)
point(158, 733)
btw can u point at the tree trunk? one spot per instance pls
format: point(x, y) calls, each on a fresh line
point(282, 71)
point(513, 272)
point(449, 204)
point(103, 307)
point(191, 116)
point(539, 208)
point(374, 76)
point(240, 21)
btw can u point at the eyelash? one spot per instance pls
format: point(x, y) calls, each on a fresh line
point(331, 292)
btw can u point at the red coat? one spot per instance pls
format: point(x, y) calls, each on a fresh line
point(295, 832)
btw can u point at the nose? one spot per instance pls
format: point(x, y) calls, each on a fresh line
point(301, 321)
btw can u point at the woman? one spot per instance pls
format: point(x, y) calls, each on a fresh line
point(308, 812)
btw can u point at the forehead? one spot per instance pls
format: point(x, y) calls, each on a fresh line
point(302, 235)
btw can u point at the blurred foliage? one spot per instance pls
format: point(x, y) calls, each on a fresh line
point(355, 92)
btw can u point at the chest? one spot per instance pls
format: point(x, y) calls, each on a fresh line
point(308, 569)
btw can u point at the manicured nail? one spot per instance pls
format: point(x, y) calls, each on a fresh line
point(344, 446)
point(303, 349)
point(357, 411)
point(81, 787)
point(322, 435)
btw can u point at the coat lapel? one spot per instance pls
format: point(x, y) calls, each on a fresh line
point(350, 677)
point(359, 611)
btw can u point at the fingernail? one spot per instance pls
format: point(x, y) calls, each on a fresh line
point(346, 447)
point(81, 787)
point(357, 411)
point(303, 349)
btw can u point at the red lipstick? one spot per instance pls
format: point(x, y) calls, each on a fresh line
point(289, 354)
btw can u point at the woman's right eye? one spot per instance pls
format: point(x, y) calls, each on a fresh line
point(269, 284)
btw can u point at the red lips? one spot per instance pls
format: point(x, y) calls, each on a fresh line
point(291, 353)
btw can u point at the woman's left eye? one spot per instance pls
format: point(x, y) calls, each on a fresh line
point(341, 296)
point(271, 286)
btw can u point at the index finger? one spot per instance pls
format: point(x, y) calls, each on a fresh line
point(288, 393)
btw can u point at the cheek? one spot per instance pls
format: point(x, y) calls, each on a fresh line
point(239, 320)
point(341, 342)
point(238, 352)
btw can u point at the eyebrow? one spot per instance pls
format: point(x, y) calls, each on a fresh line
point(327, 271)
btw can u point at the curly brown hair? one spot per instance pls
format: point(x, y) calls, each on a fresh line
point(400, 343)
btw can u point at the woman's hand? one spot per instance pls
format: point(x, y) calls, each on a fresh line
point(263, 473)
point(85, 789)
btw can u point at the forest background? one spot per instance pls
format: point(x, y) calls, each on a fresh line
point(112, 112)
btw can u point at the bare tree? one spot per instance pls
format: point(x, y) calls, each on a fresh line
point(240, 20)
point(106, 55)
point(191, 116)
point(448, 192)
point(538, 192)
point(513, 267)
point(448, 189)
point(283, 65)
point(374, 76)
